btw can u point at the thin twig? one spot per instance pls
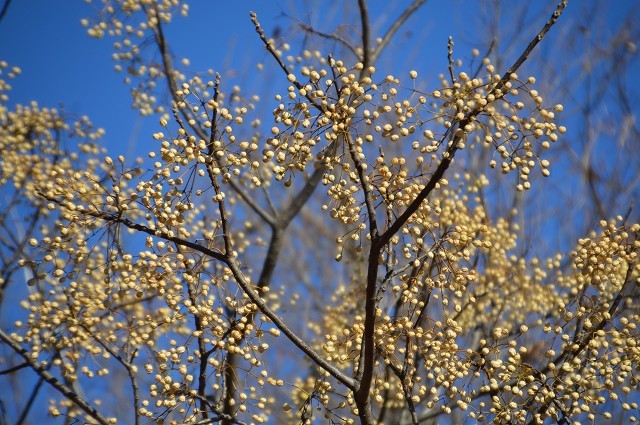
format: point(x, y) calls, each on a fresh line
point(14, 368)
point(30, 402)
point(5, 9)
point(452, 73)
point(332, 36)
point(533, 43)
point(394, 28)
point(269, 46)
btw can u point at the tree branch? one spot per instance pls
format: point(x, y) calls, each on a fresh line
point(53, 381)
point(266, 310)
point(168, 73)
point(5, 9)
point(394, 28)
point(331, 36)
point(449, 154)
point(364, 22)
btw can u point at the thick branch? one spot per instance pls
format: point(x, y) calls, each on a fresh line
point(364, 22)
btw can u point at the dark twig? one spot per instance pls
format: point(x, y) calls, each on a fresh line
point(332, 36)
point(5, 9)
point(14, 368)
point(394, 28)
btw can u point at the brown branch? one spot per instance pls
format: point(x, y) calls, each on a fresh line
point(280, 324)
point(424, 193)
point(157, 233)
point(364, 183)
point(364, 373)
point(204, 354)
point(53, 381)
point(117, 218)
point(364, 377)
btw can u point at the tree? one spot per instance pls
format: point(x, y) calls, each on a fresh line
point(341, 258)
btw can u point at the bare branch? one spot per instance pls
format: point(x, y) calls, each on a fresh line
point(365, 28)
point(394, 28)
point(280, 324)
point(5, 9)
point(332, 36)
point(266, 310)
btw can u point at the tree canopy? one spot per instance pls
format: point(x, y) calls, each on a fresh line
point(363, 246)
